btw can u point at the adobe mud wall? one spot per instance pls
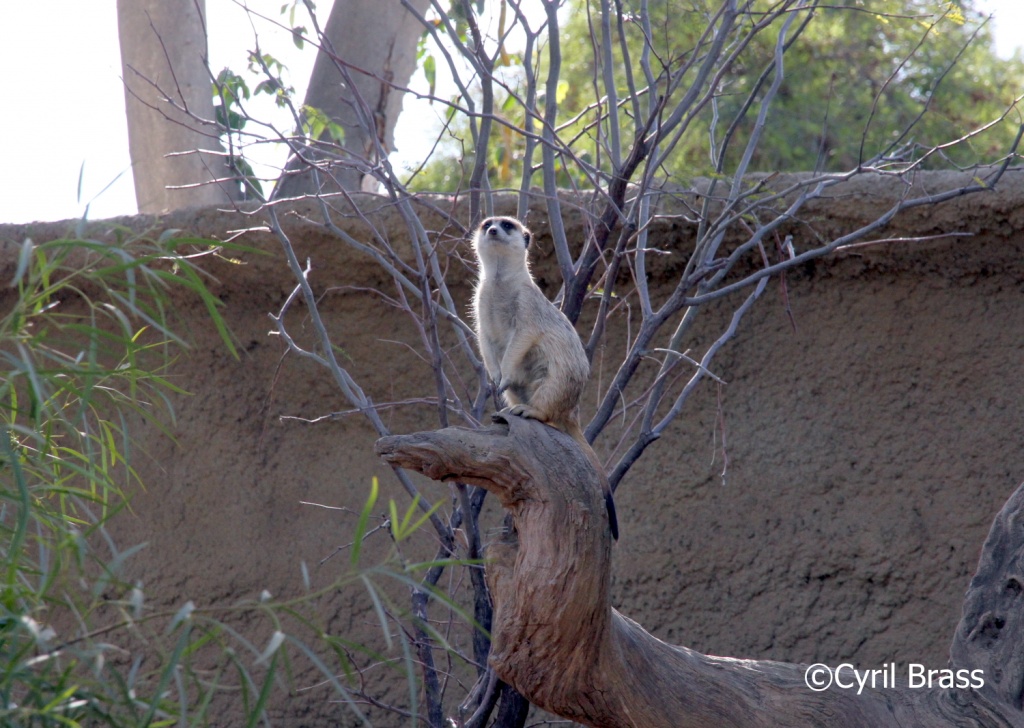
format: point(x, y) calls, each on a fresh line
point(868, 448)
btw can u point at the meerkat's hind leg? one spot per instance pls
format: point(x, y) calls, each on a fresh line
point(555, 399)
point(519, 346)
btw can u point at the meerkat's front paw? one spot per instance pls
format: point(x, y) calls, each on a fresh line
point(524, 410)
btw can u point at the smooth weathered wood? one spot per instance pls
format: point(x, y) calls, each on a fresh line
point(556, 639)
point(990, 635)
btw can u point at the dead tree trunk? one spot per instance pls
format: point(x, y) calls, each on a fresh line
point(556, 639)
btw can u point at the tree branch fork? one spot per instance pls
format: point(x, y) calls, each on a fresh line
point(557, 640)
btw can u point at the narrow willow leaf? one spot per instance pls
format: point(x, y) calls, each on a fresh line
point(275, 642)
point(24, 257)
point(181, 615)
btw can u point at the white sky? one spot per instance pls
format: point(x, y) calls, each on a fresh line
point(65, 110)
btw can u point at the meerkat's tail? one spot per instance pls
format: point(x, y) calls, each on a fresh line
point(609, 503)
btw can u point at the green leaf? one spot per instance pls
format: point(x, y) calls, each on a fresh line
point(402, 529)
point(229, 87)
point(562, 92)
point(364, 520)
point(331, 677)
point(336, 131)
point(421, 45)
point(248, 174)
point(314, 121)
point(430, 72)
point(276, 640)
point(955, 13)
point(220, 115)
point(168, 235)
point(396, 525)
point(268, 682)
point(268, 87)
point(378, 608)
point(422, 519)
point(235, 121)
point(81, 177)
point(170, 668)
point(181, 615)
point(24, 258)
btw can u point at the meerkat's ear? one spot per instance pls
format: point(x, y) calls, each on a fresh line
point(526, 238)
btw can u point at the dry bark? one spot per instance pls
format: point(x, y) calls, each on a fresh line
point(989, 634)
point(557, 640)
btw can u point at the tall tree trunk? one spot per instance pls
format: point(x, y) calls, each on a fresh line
point(369, 46)
point(173, 141)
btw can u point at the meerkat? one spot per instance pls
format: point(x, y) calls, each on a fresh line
point(530, 349)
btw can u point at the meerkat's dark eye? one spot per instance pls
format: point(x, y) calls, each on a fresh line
point(507, 225)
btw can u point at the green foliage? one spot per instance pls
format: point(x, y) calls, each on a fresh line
point(907, 74)
point(404, 527)
point(273, 70)
point(315, 122)
point(888, 77)
point(86, 346)
point(230, 91)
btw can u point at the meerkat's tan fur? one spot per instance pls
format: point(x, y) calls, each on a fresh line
point(530, 349)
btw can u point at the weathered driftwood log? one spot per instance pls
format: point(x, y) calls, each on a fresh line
point(990, 636)
point(556, 639)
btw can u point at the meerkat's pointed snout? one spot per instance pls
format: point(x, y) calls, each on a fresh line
point(504, 230)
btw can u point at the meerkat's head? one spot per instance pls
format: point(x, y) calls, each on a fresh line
point(501, 239)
